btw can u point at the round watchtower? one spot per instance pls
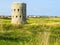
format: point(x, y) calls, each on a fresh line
point(18, 13)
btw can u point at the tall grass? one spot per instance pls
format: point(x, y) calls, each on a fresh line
point(30, 34)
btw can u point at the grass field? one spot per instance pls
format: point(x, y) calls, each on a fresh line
point(38, 31)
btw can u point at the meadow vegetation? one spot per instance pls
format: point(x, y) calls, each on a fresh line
point(38, 31)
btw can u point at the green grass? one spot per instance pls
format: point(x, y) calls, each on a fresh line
point(33, 33)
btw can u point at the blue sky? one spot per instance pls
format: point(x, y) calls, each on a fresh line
point(34, 7)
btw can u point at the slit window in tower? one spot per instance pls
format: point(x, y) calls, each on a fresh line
point(16, 16)
point(18, 10)
point(20, 16)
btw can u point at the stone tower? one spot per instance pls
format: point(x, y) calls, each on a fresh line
point(18, 13)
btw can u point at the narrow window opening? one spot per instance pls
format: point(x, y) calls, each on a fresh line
point(16, 16)
point(20, 16)
point(18, 10)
